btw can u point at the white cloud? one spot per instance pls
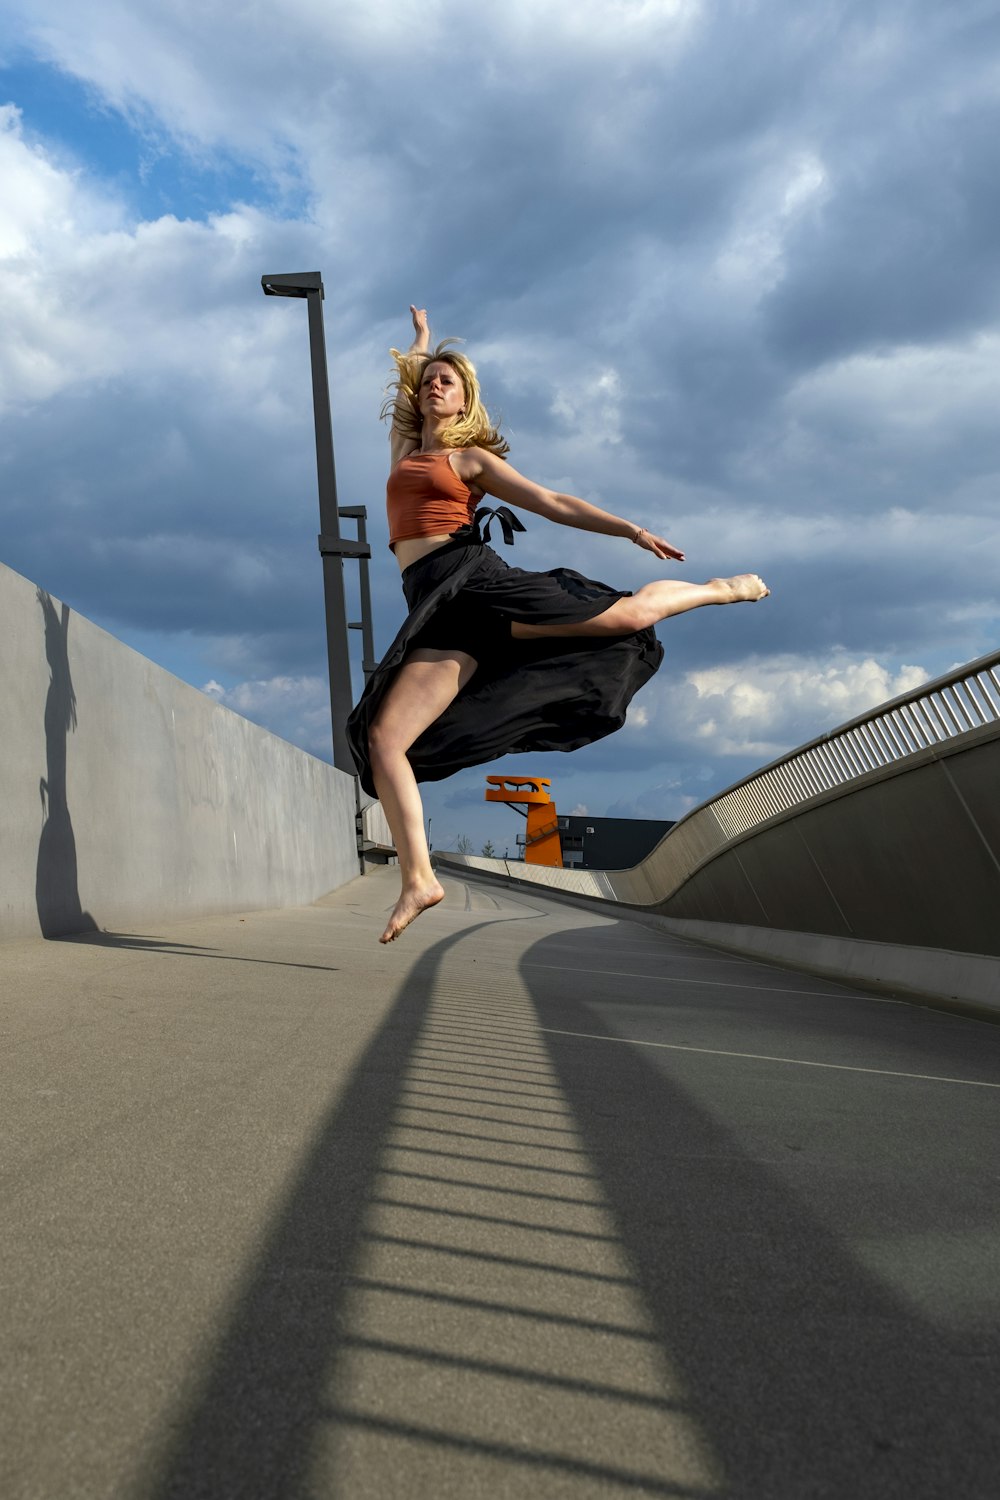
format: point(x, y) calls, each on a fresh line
point(752, 256)
point(272, 91)
point(295, 708)
point(87, 297)
point(764, 707)
point(663, 801)
point(908, 395)
point(591, 409)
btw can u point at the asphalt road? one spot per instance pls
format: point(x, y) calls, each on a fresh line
point(533, 1203)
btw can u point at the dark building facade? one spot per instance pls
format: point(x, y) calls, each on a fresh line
point(606, 843)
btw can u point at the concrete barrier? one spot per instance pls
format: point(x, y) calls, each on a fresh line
point(127, 796)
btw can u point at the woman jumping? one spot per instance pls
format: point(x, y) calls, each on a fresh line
point(491, 659)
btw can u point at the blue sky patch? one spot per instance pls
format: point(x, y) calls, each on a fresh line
point(146, 167)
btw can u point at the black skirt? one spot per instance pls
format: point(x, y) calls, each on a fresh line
point(550, 694)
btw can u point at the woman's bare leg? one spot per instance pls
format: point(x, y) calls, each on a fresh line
point(653, 603)
point(422, 689)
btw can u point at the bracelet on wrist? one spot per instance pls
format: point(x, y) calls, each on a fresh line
point(639, 531)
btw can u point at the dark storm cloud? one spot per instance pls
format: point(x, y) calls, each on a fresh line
point(904, 249)
point(130, 499)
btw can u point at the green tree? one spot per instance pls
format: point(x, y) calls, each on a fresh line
point(488, 850)
point(463, 844)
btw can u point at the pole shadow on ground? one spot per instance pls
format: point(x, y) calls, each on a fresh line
point(809, 1376)
point(523, 1264)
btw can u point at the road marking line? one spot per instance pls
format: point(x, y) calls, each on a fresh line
point(719, 983)
point(799, 1062)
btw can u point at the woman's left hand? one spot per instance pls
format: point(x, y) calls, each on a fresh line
point(659, 546)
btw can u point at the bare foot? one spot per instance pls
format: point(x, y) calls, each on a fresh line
point(744, 588)
point(409, 906)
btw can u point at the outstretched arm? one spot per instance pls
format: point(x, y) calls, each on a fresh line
point(497, 478)
point(401, 443)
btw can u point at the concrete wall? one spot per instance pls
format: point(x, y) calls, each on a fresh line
point(127, 797)
point(894, 880)
point(907, 855)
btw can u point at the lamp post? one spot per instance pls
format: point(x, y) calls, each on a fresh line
point(333, 547)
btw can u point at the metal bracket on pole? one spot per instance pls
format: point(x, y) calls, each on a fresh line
point(341, 546)
point(360, 514)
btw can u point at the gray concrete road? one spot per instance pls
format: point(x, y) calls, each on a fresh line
point(534, 1203)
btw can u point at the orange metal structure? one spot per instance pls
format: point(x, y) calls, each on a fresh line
point(542, 844)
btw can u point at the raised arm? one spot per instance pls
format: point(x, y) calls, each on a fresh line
point(421, 330)
point(401, 441)
point(497, 478)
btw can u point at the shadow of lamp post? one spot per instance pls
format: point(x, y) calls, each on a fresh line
point(333, 547)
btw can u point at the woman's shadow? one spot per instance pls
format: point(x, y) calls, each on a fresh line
point(57, 894)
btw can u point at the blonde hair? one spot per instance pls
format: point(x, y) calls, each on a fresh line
point(473, 430)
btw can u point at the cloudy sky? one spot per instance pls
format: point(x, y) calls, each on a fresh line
point(728, 267)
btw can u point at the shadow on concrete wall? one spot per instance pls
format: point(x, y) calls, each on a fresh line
point(57, 893)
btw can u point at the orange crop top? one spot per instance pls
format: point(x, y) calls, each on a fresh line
point(425, 497)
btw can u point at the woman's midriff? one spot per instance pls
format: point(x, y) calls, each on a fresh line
point(411, 549)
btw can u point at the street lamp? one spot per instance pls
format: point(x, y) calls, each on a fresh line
point(333, 547)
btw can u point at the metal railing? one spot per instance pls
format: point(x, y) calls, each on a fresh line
point(919, 720)
point(373, 827)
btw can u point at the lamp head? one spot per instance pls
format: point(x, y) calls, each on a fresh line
point(298, 284)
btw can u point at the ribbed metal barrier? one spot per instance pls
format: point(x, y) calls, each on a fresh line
point(956, 704)
point(919, 720)
point(374, 832)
